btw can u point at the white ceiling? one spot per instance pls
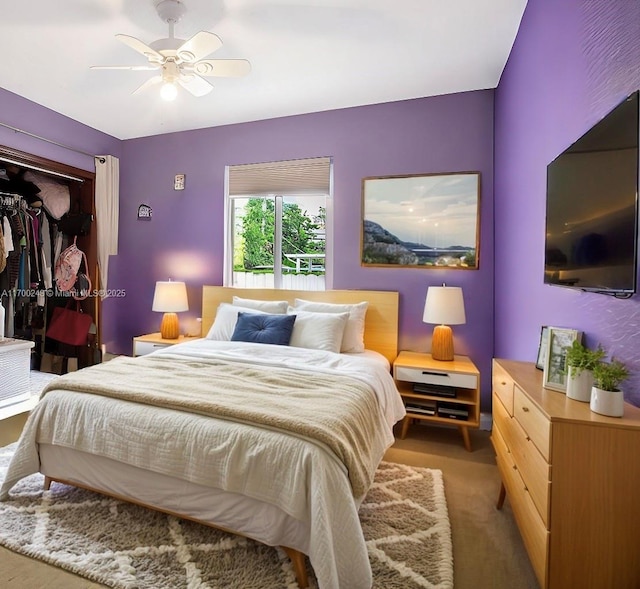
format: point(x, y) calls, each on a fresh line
point(306, 56)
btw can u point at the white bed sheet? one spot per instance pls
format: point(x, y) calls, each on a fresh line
point(251, 517)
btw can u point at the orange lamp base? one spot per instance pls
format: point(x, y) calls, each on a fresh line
point(169, 328)
point(442, 343)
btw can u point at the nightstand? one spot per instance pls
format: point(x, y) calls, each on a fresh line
point(145, 344)
point(439, 392)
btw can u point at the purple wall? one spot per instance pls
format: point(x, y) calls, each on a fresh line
point(33, 118)
point(184, 239)
point(572, 62)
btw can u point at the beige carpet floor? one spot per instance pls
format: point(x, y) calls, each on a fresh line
point(487, 547)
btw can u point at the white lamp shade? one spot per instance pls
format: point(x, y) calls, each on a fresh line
point(444, 305)
point(170, 297)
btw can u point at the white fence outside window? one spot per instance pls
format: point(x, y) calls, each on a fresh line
point(289, 281)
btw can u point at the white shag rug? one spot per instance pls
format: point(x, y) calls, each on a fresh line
point(404, 518)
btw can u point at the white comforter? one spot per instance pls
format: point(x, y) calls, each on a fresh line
point(313, 488)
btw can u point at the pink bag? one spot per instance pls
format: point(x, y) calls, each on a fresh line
point(67, 267)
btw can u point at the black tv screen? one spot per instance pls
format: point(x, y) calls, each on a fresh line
point(592, 207)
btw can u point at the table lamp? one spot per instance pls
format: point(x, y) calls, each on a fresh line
point(443, 306)
point(170, 298)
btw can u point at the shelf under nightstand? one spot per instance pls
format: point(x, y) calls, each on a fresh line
point(459, 376)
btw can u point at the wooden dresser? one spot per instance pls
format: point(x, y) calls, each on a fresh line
point(573, 481)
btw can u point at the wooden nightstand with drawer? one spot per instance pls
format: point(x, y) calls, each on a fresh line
point(571, 477)
point(439, 392)
point(145, 344)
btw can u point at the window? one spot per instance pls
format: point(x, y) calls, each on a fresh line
point(276, 217)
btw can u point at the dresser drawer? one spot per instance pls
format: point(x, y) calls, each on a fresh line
point(535, 423)
point(450, 379)
point(144, 348)
point(501, 418)
point(532, 529)
point(531, 465)
point(533, 469)
point(498, 441)
point(503, 387)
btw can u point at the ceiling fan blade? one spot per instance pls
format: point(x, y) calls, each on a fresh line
point(199, 46)
point(140, 47)
point(232, 68)
point(150, 82)
point(195, 84)
point(136, 68)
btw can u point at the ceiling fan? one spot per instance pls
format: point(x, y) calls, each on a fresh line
point(180, 62)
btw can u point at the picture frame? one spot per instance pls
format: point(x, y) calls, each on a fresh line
point(555, 364)
point(542, 347)
point(421, 221)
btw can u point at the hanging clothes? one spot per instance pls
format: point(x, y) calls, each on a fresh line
point(8, 236)
point(47, 263)
point(35, 274)
point(13, 263)
point(3, 253)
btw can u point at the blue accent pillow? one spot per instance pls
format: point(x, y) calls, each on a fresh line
point(263, 328)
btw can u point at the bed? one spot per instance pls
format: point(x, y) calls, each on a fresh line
point(277, 443)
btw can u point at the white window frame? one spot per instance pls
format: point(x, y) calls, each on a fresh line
point(227, 279)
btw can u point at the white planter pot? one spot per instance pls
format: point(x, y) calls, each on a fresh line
point(610, 403)
point(579, 387)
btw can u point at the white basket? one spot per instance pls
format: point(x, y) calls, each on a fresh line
point(15, 364)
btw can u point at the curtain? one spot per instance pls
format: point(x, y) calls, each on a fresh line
point(107, 207)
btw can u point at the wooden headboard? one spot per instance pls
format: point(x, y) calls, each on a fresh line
point(381, 320)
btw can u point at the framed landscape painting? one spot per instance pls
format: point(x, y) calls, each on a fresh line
point(421, 221)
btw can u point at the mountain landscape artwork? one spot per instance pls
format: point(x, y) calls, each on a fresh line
point(428, 220)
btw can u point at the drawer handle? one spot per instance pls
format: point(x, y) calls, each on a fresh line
point(430, 373)
point(503, 383)
point(514, 467)
point(528, 438)
point(525, 488)
point(525, 409)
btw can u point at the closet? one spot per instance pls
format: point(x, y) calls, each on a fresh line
point(48, 201)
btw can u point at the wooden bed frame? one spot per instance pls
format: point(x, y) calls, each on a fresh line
point(381, 335)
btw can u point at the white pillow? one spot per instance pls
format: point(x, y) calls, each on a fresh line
point(225, 321)
point(353, 337)
point(275, 307)
point(318, 331)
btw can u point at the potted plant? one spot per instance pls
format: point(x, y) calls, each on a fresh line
point(580, 364)
point(606, 396)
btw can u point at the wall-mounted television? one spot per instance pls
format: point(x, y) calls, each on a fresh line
point(591, 238)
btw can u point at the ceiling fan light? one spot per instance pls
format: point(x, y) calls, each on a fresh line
point(169, 91)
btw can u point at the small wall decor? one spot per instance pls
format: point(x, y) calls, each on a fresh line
point(542, 347)
point(555, 364)
point(145, 212)
point(422, 220)
point(178, 182)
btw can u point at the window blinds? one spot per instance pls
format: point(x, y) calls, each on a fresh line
point(289, 177)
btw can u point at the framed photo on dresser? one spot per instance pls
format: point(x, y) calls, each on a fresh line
point(542, 347)
point(555, 363)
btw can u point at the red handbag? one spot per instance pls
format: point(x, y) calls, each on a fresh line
point(69, 326)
